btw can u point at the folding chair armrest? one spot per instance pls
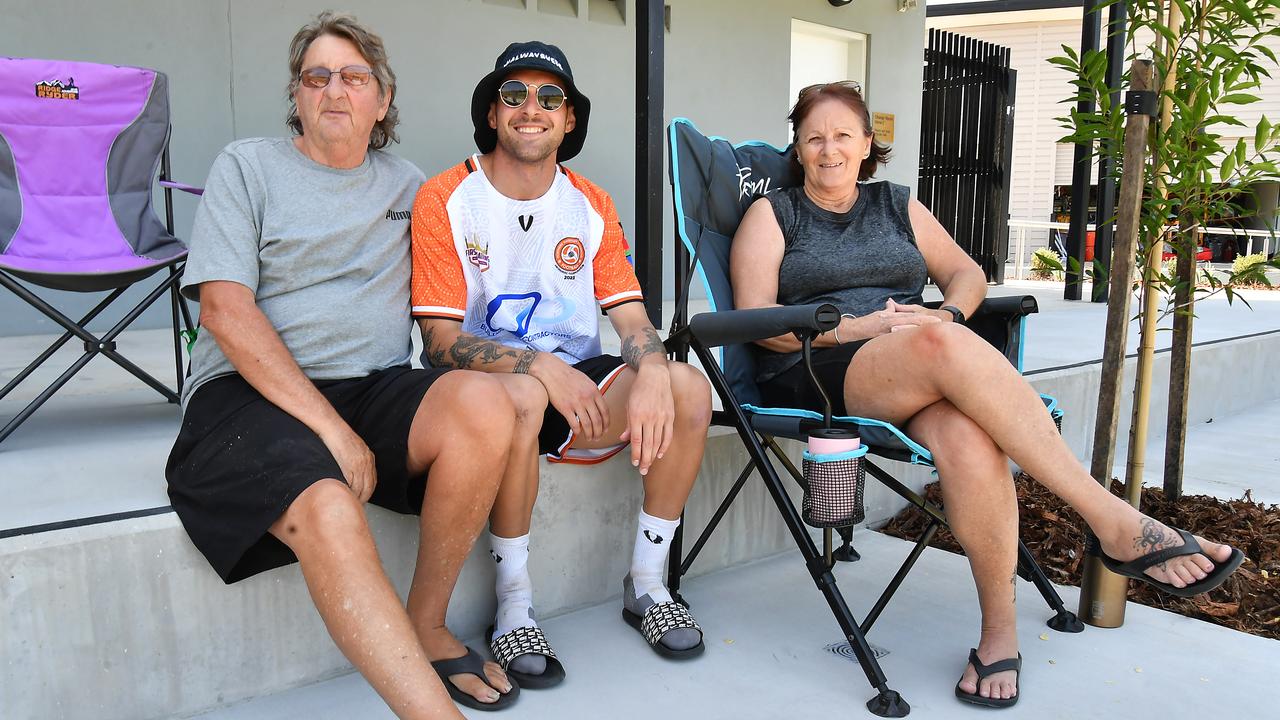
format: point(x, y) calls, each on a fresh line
point(1011, 306)
point(183, 187)
point(998, 320)
point(735, 327)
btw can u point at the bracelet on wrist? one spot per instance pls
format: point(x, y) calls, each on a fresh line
point(836, 331)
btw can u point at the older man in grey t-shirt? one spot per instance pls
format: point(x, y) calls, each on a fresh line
point(301, 404)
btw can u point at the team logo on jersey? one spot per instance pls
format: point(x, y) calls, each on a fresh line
point(58, 90)
point(526, 222)
point(478, 253)
point(570, 255)
point(521, 314)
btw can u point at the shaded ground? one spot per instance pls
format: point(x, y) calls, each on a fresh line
point(1248, 601)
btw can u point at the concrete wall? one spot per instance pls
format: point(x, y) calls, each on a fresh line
point(124, 620)
point(727, 67)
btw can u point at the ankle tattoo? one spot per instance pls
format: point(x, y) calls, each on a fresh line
point(1155, 536)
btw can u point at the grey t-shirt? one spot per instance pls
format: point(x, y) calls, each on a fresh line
point(855, 260)
point(325, 252)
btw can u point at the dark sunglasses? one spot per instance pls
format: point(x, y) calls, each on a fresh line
point(514, 93)
point(853, 85)
point(352, 76)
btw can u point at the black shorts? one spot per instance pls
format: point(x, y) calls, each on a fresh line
point(794, 389)
point(240, 461)
point(556, 439)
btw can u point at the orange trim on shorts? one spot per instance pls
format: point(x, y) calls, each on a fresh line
point(568, 443)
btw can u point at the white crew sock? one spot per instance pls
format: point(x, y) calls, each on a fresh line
point(653, 543)
point(513, 586)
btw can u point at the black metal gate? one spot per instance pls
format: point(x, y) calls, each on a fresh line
point(966, 143)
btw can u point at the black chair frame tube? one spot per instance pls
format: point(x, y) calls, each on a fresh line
point(887, 702)
point(94, 345)
point(11, 284)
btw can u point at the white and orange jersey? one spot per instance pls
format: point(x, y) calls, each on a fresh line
point(525, 273)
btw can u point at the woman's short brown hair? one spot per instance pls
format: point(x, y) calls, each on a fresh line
point(848, 92)
point(371, 48)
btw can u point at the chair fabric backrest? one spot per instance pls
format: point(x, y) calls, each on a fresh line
point(80, 146)
point(713, 183)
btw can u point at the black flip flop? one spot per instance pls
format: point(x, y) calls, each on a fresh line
point(472, 664)
point(985, 671)
point(1135, 569)
point(658, 620)
point(526, 641)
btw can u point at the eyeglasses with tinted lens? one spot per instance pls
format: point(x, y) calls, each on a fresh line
point(514, 93)
point(352, 76)
point(851, 84)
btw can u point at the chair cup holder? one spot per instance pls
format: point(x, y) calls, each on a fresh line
point(833, 489)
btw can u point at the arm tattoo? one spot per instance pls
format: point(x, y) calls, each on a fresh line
point(525, 362)
point(434, 355)
point(467, 350)
point(633, 352)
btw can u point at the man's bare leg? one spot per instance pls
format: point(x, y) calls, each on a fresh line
point(512, 514)
point(666, 489)
point(513, 508)
point(326, 528)
point(895, 376)
point(670, 479)
point(982, 512)
point(466, 452)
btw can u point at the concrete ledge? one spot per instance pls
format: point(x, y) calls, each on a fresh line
point(1226, 377)
point(124, 620)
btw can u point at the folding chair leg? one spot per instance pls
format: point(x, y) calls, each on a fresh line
point(674, 571)
point(93, 345)
point(883, 601)
point(682, 565)
point(887, 702)
point(44, 396)
point(174, 300)
point(846, 553)
point(1028, 569)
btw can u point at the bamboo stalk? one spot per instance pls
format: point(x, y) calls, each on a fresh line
point(1102, 593)
point(1147, 345)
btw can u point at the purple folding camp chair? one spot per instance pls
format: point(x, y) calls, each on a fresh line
point(80, 146)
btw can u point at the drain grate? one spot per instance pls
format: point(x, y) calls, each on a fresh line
point(844, 650)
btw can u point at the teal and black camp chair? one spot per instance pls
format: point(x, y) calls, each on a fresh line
point(713, 183)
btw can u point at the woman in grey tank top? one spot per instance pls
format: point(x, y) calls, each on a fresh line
point(867, 248)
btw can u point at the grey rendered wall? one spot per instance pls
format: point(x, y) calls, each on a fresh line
point(727, 68)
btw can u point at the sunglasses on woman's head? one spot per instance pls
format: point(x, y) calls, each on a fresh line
point(514, 93)
point(352, 76)
point(851, 84)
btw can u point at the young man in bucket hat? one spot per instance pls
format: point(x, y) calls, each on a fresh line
point(513, 254)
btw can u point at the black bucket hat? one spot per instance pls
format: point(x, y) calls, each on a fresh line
point(529, 56)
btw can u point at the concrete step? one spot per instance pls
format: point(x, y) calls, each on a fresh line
point(770, 637)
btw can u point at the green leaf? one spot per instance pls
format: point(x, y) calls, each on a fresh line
point(1228, 165)
point(1239, 99)
point(1262, 133)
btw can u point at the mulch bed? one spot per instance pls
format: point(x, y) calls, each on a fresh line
point(1248, 601)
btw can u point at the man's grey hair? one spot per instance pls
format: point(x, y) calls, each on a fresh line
point(370, 45)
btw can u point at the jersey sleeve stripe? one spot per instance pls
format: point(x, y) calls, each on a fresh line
point(437, 311)
point(621, 299)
